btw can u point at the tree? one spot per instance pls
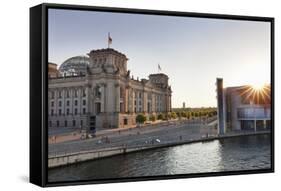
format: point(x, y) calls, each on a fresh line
point(183, 114)
point(188, 115)
point(215, 112)
point(192, 114)
point(210, 114)
point(141, 118)
point(174, 115)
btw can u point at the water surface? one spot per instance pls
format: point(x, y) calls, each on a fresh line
point(232, 154)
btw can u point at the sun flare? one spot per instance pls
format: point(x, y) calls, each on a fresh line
point(258, 86)
point(256, 93)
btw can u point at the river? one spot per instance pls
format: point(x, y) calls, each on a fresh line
point(231, 154)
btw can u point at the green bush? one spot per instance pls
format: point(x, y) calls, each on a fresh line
point(152, 118)
point(160, 116)
point(141, 118)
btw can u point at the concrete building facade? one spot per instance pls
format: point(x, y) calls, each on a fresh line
point(106, 95)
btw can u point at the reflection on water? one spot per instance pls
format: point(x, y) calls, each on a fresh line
point(240, 153)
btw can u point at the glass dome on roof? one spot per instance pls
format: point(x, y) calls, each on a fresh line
point(75, 65)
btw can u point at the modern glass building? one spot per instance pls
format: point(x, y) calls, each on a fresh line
point(243, 108)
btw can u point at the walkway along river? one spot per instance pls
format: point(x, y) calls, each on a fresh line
point(231, 154)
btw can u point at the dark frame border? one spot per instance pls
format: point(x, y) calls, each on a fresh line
point(39, 102)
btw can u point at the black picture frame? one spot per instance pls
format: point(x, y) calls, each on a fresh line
point(39, 89)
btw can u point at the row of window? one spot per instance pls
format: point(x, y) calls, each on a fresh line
point(149, 109)
point(67, 93)
point(67, 103)
point(254, 113)
point(103, 61)
point(149, 96)
point(100, 61)
point(98, 93)
point(68, 111)
point(75, 93)
point(66, 124)
point(138, 107)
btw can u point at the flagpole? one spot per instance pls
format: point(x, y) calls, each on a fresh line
point(158, 69)
point(108, 40)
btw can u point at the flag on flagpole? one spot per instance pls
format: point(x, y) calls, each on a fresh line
point(159, 68)
point(109, 40)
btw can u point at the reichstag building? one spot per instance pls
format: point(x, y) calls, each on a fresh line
point(97, 91)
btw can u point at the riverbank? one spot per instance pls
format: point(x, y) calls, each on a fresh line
point(82, 156)
point(62, 135)
point(172, 131)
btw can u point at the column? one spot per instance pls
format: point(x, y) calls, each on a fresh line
point(126, 100)
point(144, 101)
point(88, 107)
point(55, 101)
point(170, 103)
point(129, 105)
point(166, 103)
point(132, 100)
point(63, 110)
point(72, 101)
point(103, 98)
point(89, 101)
point(152, 102)
point(117, 100)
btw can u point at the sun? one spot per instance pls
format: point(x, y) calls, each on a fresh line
point(258, 86)
point(258, 93)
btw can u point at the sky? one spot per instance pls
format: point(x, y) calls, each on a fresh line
point(193, 52)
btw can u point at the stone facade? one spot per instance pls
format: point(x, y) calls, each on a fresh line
point(106, 96)
point(52, 70)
